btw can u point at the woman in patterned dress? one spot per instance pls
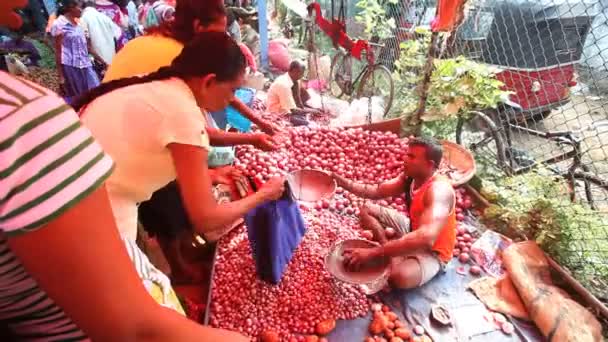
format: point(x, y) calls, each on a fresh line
point(74, 65)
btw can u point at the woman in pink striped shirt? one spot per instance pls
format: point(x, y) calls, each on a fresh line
point(64, 271)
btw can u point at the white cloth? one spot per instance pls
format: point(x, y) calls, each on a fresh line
point(280, 97)
point(102, 32)
point(132, 13)
point(134, 125)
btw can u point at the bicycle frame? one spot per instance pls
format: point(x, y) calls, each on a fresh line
point(352, 85)
point(568, 139)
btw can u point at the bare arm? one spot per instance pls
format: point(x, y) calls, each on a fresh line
point(247, 112)
point(390, 188)
point(58, 46)
point(72, 258)
point(195, 187)
point(297, 97)
point(218, 137)
point(438, 203)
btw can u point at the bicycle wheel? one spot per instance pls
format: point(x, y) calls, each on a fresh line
point(480, 135)
point(590, 187)
point(377, 83)
point(341, 75)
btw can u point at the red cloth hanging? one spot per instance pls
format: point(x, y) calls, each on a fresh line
point(7, 15)
point(449, 14)
point(336, 30)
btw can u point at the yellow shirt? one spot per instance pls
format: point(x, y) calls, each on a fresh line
point(143, 55)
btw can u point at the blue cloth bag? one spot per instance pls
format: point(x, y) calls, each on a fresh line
point(275, 230)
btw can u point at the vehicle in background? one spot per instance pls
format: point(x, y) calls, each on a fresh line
point(536, 45)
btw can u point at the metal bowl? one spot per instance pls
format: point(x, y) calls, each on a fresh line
point(311, 185)
point(374, 273)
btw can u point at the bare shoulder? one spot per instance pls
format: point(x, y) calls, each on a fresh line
point(441, 193)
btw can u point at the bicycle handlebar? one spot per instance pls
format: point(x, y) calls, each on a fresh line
point(375, 44)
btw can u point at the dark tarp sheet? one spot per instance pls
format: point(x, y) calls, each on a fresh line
point(450, 290)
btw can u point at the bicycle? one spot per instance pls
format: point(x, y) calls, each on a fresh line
point(341, 71)
point(512, 161)
point(373, 80)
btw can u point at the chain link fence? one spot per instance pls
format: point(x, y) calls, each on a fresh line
point(552, 57)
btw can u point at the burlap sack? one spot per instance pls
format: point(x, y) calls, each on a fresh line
point(558, 317)
point(499, 295)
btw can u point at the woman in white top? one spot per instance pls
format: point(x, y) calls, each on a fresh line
point(154, 129)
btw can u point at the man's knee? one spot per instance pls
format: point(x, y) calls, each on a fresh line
point(405, 275)
point(367, 219)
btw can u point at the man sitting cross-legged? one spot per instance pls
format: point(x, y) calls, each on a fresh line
point(424, 241)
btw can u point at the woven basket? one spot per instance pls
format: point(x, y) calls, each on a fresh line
point(460, 159)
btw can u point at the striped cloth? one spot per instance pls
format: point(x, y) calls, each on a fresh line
point(48, 163)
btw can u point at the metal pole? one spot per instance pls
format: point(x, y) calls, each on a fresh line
point(263, 30)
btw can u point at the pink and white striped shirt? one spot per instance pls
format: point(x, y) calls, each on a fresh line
point(48, 163)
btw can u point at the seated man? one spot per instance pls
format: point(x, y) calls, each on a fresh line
point(425, 241)
point(286, 96)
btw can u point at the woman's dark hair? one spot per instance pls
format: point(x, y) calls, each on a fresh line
point(181, 28)
point(64, 6)
point(209, 53)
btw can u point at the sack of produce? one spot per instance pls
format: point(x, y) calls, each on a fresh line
point(556, 315)
point(278, 54)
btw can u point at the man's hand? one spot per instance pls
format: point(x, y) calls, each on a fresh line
point(264, 142)
point(268, 127)
point(225, 175)
point(354, 258)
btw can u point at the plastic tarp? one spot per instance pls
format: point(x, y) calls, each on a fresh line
point(469, 315)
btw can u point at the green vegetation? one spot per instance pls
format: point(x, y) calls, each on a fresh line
point(536, 206)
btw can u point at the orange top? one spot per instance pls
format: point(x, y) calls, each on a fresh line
point(444, 245)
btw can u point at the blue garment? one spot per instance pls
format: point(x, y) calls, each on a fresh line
point(219, 155)
point(231, 117)
point(74, 49)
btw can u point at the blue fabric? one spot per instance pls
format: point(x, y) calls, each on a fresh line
point(275, 230)
point(219, 155)
point(231, 116)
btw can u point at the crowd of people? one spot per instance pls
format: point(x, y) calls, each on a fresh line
point(67, 174)
point(86, 35)
point(72, 177)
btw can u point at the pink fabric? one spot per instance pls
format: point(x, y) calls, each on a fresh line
point(317, 84)
point(278, 54)
point(249, 57)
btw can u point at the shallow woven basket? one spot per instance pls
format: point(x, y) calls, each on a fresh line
point(461, 159)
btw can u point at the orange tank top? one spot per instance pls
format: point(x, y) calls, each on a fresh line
point(444, 245)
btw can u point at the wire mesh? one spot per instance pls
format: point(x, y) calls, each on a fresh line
point(553, 56)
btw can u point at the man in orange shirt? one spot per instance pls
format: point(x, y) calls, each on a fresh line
point(426, 239)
